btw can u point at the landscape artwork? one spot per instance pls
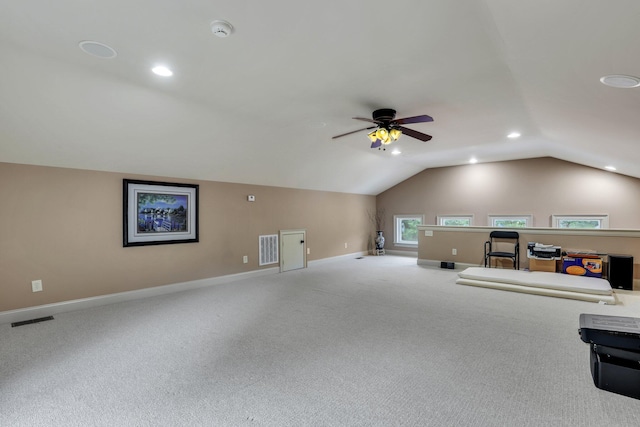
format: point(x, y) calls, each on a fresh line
point(159, 213)
point(162, 213)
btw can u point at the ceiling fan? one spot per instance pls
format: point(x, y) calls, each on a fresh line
point(388, 128)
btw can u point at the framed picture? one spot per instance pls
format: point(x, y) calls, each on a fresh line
point(159, 213)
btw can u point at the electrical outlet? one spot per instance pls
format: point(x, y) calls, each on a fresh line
point(308, 251)
point(245, 259)
point(428, 233)
point(36, 286)
point(454, 251)
point(345, 245)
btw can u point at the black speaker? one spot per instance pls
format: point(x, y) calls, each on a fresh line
point(621, 272)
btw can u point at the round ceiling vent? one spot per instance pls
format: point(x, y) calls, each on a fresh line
point(221, 28)
point(617, 80)
point(100, 50)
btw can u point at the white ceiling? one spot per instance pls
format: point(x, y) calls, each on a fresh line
point(261, 106)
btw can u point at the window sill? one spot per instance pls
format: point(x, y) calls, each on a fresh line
point(405, 245)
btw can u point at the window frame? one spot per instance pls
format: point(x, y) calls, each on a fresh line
point(442, 218)
point(528, 220)
point(397, 232)
point(603, 218)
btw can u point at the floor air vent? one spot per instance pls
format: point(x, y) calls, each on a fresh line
point(269, 249)
point(28, 322)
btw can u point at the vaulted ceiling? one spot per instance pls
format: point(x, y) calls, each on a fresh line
point(261, 105)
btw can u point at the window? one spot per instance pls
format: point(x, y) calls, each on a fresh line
point(580, 221)
point(510, 221)
point(456, 220)
point(406, 229)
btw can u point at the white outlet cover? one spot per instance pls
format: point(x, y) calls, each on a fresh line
point(36, 285)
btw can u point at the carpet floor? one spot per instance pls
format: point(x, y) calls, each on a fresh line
point(378, 341)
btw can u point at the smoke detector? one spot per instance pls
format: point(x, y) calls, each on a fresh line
point(221, 28)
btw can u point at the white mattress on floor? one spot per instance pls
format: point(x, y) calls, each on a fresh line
point(540, 283)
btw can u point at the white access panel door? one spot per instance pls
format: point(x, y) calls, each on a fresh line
point(293, 250)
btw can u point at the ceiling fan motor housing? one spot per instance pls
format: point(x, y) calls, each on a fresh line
point(384, 115)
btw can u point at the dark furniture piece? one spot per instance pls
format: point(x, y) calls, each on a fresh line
point(620, 272)
point(503, 244)
point(615, 352)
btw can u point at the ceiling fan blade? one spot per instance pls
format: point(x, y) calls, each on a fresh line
point(376, 144)
point(354, 131)
point(416, 119)
point(414, 133)
point(366, 120)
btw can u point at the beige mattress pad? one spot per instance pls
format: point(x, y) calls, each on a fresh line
point(539, 279)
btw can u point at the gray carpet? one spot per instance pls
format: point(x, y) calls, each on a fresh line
point(373, 341)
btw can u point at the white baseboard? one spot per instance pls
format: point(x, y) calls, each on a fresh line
point(335, 258)
point(39, 311)
point(436, 263)
point(411, 254)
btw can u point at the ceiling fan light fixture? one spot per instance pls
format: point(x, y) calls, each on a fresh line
point(382, 134)
point(373, 136)
point(395, 134)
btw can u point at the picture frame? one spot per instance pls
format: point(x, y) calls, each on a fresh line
point(159, 213)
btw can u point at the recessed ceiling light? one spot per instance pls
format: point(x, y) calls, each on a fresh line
point(473, 160)
point(100, 50)
point(395, 152)
point(618, 80)
point(163, 71)
point(610, 168)
point(513, 135)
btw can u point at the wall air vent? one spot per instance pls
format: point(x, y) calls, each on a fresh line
point(269, 249)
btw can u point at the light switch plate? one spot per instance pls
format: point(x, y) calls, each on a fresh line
point(36, 285)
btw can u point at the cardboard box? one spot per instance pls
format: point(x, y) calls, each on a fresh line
point(539, 264)
point(590, 267)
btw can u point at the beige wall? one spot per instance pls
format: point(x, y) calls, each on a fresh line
point(64, 226)
point(539, 187)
